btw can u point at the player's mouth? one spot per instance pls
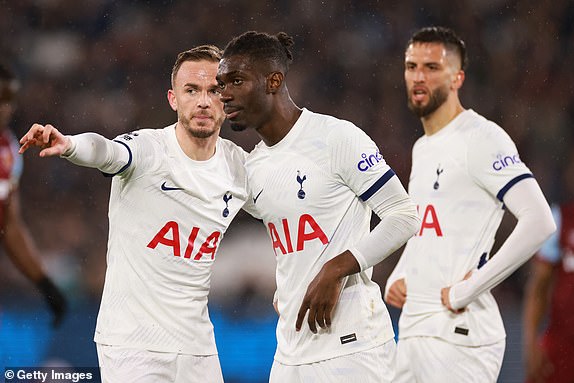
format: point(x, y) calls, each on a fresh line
point(202, 117)
point(231, 112)
point(419, 94)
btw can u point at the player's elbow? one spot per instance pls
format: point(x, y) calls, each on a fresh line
point(548, 227)
point(544, 226)
point(412, 220)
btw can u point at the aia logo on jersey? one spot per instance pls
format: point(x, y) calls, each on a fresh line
point(169, 235)
point(502, 161)
point(430, 224)
point(307, 230)
point(369, 160)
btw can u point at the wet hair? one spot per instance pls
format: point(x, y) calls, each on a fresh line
point(202, 52)
point(263, 47)
point(445, 36)
point(9, 84)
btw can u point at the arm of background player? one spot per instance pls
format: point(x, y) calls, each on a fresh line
point(535, 224)
point(396, 286)
point(399, 221)
point(23, 253)
point(535, 308)
point(86, 149)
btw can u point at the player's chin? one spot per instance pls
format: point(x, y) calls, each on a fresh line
point(237, 126)
point(203, 131)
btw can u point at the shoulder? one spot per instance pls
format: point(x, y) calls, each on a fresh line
point(141, 135)
point(477, 127)
point(232, 150)
point(148, 139)
point(336, 130)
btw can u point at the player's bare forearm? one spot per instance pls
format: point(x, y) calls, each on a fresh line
point(323, 291)
point(536, 301)
point(47, 137)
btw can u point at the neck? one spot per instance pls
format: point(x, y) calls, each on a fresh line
point(198, 149)
point(283, 117)
point(441, 117)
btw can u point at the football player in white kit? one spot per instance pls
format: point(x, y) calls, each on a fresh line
point(174, 193)
point(314, 181)
point(465, 172)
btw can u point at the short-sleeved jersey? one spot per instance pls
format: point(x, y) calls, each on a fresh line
point(10, 169)
point(458, 180)
point(310, 191)
point(167, 216)
point(559, 251)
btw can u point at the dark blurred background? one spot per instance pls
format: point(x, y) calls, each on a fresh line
point(104, 66)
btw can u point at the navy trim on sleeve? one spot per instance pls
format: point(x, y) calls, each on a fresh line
point(125, 166)
point(510, 184)
point(377, 185)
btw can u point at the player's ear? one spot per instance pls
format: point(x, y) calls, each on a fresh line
point(172, 100)
point(273, 82)
point(458, 79)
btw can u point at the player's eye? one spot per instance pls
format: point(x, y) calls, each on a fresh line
point(237, 81)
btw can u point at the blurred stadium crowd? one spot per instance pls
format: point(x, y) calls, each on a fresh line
point(104, 66)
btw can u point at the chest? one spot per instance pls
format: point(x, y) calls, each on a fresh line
point(292, 183)
point(440, 173)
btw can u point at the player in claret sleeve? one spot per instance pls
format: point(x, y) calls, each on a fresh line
point(549, 350)
point(17, 242)
point(174, 193)
point(315, 181)
point(465, 172)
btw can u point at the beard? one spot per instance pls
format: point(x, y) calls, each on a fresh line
point(436, 99)
point(237, 127)
point(199, 130)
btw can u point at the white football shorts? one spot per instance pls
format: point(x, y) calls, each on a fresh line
point(433, 360)
point(376, 365)
point(125, 365)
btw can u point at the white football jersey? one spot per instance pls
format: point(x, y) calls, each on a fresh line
point(458, 179)
point(309, 189)
point(167, 216)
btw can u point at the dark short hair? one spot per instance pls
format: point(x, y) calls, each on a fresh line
point(9, 84)
point(199, 53)
point(263, 47)
point(445, 36)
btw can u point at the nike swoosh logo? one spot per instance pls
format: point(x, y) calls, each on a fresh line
point(257, 197)
point(168, 188)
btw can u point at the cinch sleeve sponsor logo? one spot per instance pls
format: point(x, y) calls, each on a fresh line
point(369, 161)
point(505, 161)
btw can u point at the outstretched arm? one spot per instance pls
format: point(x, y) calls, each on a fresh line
point(86, 149)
